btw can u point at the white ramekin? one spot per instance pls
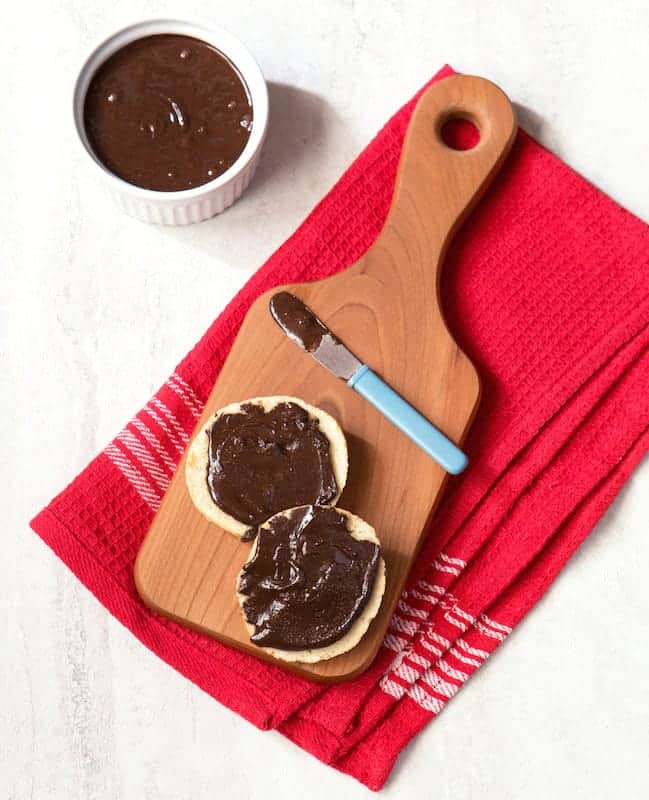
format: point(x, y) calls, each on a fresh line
point(201, 202)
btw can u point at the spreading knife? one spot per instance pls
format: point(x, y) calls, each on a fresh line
point(304, 328)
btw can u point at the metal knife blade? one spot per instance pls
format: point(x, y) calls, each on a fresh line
point(304, 328)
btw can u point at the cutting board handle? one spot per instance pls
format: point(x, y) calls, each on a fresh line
point(437, 186)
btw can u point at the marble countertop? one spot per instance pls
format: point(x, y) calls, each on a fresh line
point(89, 327)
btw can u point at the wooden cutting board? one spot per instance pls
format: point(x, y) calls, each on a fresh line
point(386, 308)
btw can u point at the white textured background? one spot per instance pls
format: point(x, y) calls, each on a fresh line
point(96, 309)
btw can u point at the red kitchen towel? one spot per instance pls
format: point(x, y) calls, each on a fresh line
point(547, 289)
point(440, 632)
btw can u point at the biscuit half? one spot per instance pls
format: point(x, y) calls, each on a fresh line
point(360, 530)
point(197, 458)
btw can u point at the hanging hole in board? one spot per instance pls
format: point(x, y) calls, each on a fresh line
point(460, 133)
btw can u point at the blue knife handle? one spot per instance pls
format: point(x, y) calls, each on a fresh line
point(408, 420)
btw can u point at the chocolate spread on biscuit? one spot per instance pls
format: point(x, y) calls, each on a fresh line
point(261, 462)
point(308, 580)
point(167, 112)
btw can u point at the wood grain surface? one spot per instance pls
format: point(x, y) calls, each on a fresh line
point(386, 308)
